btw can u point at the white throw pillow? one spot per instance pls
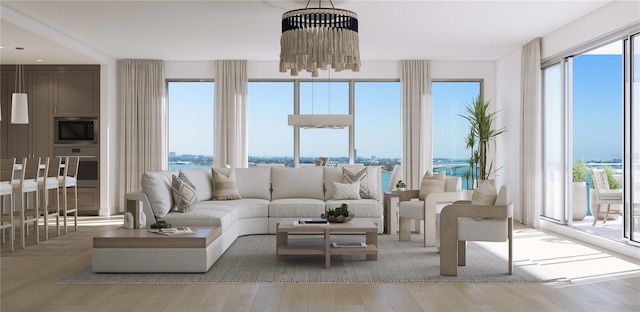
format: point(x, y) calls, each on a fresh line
point(432, 184)
point(485, 194)
point(361, 176)
point(224, 185)
point(184, 193)
point(346, 190)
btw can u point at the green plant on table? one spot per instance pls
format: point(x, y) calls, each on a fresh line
point(401, 184)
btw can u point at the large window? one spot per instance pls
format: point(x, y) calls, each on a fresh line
point(450, 99)
point(190, 124)
point(324, 98)
point(378, 134)
point(270, 138)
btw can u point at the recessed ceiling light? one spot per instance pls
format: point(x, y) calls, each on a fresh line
point(39, 61)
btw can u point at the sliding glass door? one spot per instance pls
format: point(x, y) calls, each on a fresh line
point(554, 155)
point(632, 140)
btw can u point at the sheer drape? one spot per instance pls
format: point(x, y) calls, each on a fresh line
point(230, 134)
point(531, 149)
point(142, 92)
point(417, 153)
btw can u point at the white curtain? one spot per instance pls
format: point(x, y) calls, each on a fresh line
point(230, 131)
point(417, 153)
point(531, 140)
point(142, 121)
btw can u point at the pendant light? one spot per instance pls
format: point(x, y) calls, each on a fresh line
point(19, 103)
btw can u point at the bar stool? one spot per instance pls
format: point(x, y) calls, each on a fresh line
point(69, 179)
point(48, 182)
point(6, 191)
point(27, 184)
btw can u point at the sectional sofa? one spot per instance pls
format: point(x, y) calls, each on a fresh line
point(269, 195)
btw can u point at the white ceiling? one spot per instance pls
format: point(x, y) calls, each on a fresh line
point(84, 32)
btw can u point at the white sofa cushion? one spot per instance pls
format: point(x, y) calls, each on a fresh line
point(453, 184)
point(361, 208)
point(487, 230)
point(204, 213)
point(412, 209)
point(248, 207)
point(304, 182)
point(254, 182)
point(296, 208)
point(157, 186)
point(202, 181)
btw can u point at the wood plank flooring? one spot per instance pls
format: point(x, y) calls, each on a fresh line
point(28, 282)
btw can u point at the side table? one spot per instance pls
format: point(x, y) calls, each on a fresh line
point(388, 195)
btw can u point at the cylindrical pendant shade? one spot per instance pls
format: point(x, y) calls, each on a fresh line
point(19, 108)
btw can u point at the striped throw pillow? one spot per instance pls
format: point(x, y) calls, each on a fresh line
point(346, 190)
point(224, 185)
point(360, 176)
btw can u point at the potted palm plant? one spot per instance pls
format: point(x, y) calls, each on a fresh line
point(481, 134)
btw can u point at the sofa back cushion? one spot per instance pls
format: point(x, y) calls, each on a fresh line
point(157, 186)
point(202, 180)
point(253, 182)
point(303, 182)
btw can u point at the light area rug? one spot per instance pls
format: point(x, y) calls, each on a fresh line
point(252, 259)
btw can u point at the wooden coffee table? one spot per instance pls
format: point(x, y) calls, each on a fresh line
point(323, 246)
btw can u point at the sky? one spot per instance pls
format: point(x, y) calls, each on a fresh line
point(597, 115)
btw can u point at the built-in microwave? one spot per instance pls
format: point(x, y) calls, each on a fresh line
point(76, 130)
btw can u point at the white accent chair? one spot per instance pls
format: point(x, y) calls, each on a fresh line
point(604, 195)
point(461, 222)
point(6, 192)
point(412, 208)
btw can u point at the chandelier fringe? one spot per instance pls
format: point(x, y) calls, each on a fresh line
point(313, 39)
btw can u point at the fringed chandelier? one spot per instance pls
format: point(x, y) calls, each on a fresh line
point(314, 38)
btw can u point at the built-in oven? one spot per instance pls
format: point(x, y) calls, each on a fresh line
point(75, 130)
point(88, 166)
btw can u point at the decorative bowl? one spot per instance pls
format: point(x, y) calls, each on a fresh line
point(339, 219)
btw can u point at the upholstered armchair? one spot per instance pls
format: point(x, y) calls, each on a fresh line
point(463, 221)
point(411, 208)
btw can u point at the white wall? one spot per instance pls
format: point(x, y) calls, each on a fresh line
point(508, 103)
point(615, 16)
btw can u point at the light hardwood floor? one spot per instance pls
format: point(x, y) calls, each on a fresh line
point(600, 282)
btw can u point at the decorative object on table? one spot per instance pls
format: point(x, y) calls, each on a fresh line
point(339, 215)
point(318, 162)
point(161, 225)
point(128, 220)
point(481, 133)
point(401, 186)
point(325, 160)
point(143, 220)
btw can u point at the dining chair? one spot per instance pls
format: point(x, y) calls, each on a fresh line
point(25, 185)
point(6, 192)
point(47, 183)
point(69, 180)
